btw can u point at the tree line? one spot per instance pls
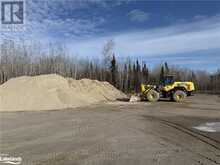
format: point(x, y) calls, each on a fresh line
point(22, 59)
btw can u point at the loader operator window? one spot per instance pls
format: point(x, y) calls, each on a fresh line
point(168, 80)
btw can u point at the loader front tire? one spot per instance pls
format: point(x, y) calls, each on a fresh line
point(153, 96)
point(179, 96)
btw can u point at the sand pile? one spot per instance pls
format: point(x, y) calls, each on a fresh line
point(49, 92)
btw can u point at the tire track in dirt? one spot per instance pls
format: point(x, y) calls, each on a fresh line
point(198, 136)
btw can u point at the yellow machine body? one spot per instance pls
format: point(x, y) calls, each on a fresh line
point(188, 86)
point(176, 90)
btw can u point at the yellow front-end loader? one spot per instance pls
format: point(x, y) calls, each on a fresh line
point(175, 90)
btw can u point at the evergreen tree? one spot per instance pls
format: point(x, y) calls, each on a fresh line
point(137, 77)
point(129, 77)
point(134, 73)
point(161, 74)
point(145, 74)
point(167, 70)
point(113, 69)
point(91, 71)
point(125, 79)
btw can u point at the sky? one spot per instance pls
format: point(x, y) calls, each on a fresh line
point(182, 33)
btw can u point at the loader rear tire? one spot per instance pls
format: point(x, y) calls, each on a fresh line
point(179, 96)
point(153, 96)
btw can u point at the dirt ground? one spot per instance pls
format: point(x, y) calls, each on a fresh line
point(117, 133)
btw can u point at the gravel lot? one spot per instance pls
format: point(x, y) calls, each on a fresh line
point(116, 133)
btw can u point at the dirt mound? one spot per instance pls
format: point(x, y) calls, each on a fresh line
point(49, 92)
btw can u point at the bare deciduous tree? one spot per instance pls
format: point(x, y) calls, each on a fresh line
point(22, 59)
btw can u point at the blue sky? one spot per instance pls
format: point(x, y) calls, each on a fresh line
point(185, 33)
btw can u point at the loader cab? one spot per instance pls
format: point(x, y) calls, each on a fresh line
point(168, 80)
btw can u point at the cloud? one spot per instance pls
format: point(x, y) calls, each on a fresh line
point(56, 20)
point(108, 3)
point(62, 18)
point(137, 15)
point(199, 17)
point(179, 38)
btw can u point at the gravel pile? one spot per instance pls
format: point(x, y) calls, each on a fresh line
point(50, 92)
